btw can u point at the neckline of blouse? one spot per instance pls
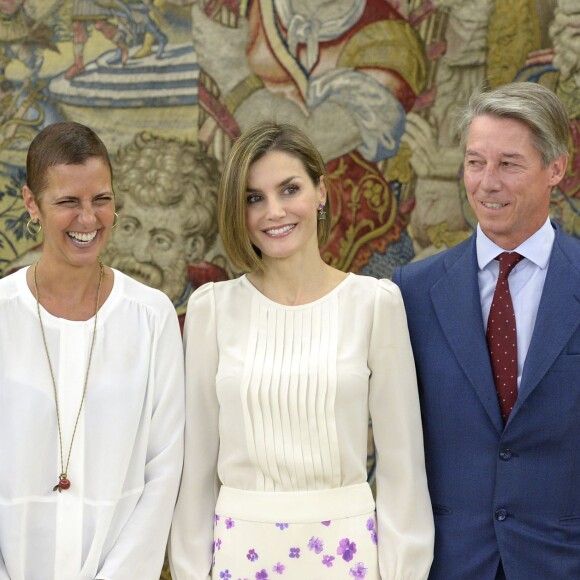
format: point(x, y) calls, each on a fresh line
point(30, 301)
point(307, 305)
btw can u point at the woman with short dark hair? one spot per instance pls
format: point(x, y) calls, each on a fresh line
point(91, 386)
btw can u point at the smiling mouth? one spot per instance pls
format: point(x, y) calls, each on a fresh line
point(493, 205)
point(83, 239)
point(280, 231)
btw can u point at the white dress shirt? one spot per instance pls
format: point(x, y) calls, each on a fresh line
point(526, 281)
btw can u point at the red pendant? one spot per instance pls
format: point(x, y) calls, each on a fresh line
point(63, 483)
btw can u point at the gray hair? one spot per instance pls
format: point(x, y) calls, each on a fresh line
point(532, 104)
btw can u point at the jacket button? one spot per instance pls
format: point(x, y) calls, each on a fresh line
point(501, 515)
point(505, 454)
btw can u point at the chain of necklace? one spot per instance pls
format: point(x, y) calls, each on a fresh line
point(63, 481)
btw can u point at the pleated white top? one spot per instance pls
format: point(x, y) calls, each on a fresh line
point(288, 396)
point(278, 399)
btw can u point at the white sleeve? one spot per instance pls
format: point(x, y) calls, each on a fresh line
point(140, 548)
point(405, 519)
point(191, 540)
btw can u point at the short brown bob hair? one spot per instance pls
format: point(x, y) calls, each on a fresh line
point(65, 143)
point(251, 146)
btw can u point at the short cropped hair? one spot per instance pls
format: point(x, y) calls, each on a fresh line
point(251, 146)
point(532, 104)
point(65, 143)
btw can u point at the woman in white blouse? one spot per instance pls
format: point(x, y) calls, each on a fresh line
point(91, 386)
point(283, 366)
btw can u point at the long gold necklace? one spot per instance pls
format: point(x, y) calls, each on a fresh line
point(63, 481)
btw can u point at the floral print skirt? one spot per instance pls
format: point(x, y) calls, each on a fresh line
point(310, 535)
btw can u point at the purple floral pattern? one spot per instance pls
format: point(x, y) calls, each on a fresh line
point(346, 549)
point(316, 545)
point(371, 526)
point(359, 571)
point(279, 568)
point(328, 560)
point(347, 554)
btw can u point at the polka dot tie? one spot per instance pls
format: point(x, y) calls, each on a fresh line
point(502, 338)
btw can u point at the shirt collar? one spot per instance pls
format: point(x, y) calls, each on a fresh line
point(537, 248)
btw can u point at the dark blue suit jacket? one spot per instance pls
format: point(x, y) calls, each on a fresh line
point(510, 492)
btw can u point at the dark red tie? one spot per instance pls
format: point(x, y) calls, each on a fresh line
point(502, 338)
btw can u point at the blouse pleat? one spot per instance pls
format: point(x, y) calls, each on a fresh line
point(276, 430)
point(252, 356)
point(284, 402)
point(313, 388)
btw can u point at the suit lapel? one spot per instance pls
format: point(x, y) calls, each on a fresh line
point(457, 304)
point(557, 320)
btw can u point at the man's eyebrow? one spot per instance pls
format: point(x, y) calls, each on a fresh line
point(508, 154)
point(512, 155)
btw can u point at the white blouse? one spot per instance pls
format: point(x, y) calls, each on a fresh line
point(127, 456)
point(278, 399)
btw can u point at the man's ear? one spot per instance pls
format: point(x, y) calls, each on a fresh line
point(30, 203)
point(195, 249)
point(558, 169)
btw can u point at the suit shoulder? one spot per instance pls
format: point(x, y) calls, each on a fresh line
point(431, 267)
point(570, 246)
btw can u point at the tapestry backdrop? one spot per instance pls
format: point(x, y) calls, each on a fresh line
point(168, 84)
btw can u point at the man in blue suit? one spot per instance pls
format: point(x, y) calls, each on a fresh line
point(503, 445)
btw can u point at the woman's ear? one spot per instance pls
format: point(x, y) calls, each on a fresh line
point(30, 203)
point(322, 190)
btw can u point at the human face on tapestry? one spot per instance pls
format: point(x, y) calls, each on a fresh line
point(507, 185)
point(76, 211)
point(281, 206)
point(149, 246)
